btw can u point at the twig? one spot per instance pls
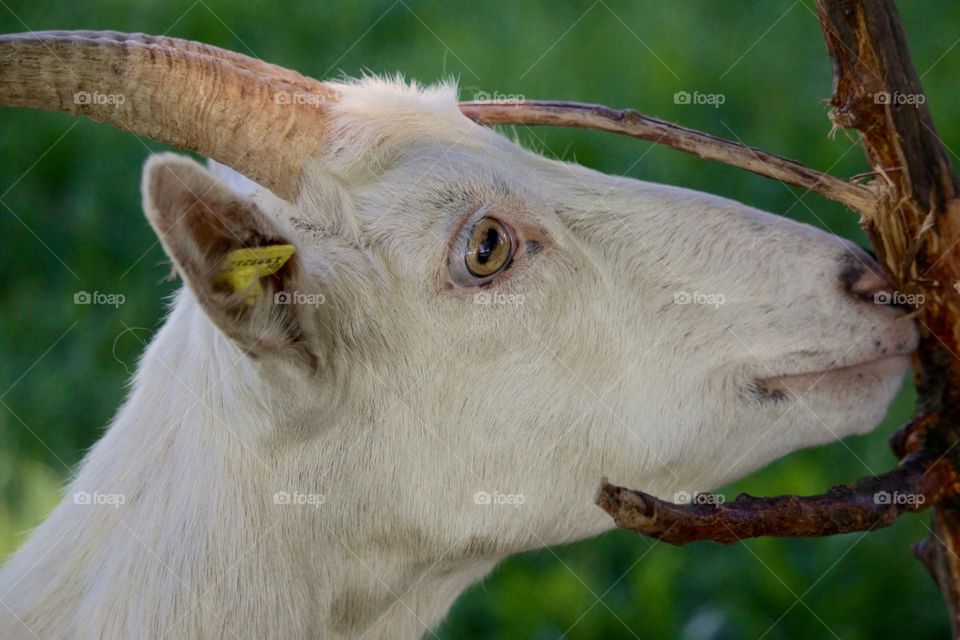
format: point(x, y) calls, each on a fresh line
point(920, 481)
point(628, 122)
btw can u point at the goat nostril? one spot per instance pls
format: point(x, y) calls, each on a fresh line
point(866, 282)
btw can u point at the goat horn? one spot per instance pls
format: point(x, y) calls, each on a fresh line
point(260, 119)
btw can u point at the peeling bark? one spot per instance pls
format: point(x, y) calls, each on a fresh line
point(915, 231)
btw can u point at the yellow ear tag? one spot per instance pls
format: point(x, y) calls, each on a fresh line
point(242, 268)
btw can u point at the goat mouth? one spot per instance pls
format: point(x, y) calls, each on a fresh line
point(848, 376)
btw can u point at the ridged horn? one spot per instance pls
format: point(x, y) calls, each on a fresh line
point(262, 120)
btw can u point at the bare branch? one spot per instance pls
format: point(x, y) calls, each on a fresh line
point(875, 502)
point(628, 122)
point(937, 555)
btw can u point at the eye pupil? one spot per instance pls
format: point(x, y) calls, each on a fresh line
point(488, 246)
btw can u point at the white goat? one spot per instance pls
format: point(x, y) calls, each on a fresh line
point(345, 465)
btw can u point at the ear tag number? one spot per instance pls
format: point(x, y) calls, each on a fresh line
point(243, 268)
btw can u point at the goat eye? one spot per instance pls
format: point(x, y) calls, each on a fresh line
point(489, 248)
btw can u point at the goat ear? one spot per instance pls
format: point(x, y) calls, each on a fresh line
point(239, 266)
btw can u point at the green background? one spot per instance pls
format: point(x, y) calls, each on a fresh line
point(70, 220)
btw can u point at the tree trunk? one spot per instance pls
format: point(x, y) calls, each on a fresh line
point(915, 231)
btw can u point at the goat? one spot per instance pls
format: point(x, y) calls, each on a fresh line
point(465, 339)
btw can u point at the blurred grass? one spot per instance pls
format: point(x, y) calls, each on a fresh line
point(70, 220)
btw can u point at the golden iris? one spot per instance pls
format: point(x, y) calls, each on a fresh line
point(489, 249)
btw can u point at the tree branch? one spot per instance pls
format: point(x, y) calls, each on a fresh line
point(629, 122)
point(920, 481)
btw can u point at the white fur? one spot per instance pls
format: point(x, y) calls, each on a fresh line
point(425, 398)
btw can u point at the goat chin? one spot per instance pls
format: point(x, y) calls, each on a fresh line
point(341, 450)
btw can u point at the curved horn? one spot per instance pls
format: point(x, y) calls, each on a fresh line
point(262, 120)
